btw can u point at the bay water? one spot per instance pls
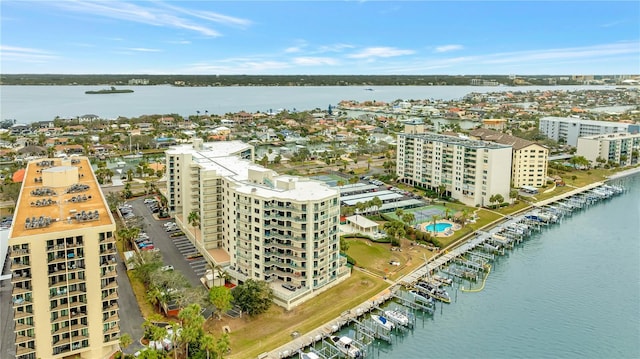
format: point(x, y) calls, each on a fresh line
point(570, 291)
point(27, 104)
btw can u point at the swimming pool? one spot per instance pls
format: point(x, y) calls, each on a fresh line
point(440, 227)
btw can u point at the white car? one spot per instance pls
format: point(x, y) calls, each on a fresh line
point(169, 224)
point(166, 268)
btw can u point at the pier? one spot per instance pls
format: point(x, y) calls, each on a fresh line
point(467, 261)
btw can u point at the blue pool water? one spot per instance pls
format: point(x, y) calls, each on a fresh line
point(440, 227)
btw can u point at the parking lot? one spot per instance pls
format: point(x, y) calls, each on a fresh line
point(175, 248)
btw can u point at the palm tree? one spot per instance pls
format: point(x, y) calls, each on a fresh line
point(377, 202)
point(125, 340)
point(208, 344)
point(441, 189)
point(435, 219)
point(513, 194)
point(194, 220)
point(222, 345)
point(408, 218)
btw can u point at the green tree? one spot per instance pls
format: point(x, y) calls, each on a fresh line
point(408, 218)
point(125, 340)
point(192, 321)
point(194, 219)
point(221, 298)
point(208, 344)
point(253, 297)
point(513, 194)
point(222, 345)
point(344, 245)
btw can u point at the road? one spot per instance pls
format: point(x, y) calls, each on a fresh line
point(161, 240)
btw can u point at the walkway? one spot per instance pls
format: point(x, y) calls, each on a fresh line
point(433, 263)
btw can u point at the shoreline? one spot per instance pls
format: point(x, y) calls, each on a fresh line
point(624, 173)
point(375, 301)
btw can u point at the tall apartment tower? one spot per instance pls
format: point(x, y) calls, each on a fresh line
point(62, 252)
point(471, 171)
point(254, 222)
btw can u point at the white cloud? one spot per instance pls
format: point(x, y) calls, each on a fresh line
point(585, 52)
point(447, 48)
point(314, 61)
point(142, 49)
point(334, 48)
point(292, 49)
point(373, 52)
point(134, 13)
point(25, 54)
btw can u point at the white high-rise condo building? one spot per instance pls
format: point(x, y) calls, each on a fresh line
point(255, 223)
point(471, 171)
point(619, 148)
point(63, 262)
point(569, 129)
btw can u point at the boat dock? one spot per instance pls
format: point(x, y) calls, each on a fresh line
point(468, 261)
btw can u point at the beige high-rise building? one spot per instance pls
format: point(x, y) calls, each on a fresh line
point(63, 262)
point(256, 223)
point(470, 171)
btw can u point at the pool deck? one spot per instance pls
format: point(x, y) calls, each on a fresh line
point(446, 233)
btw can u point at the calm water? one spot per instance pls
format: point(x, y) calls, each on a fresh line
point(572, 291)
point(29, 104)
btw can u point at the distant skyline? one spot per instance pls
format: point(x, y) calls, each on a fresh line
point(320, 37)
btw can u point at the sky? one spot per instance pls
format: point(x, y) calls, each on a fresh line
point(320, 37)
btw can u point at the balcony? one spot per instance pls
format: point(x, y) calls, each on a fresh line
point(109, 274)
point(20, 339)
point(112, 318)
point(24, 350)
point(22, 326)
point(19, 314)
point(110, 285)
point(61, 319)
point(20, 290)
point(19, 265)
point(111, 296)
point(112, 330)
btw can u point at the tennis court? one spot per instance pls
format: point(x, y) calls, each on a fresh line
point(330, 179)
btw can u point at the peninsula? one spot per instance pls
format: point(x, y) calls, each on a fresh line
point(107, 91)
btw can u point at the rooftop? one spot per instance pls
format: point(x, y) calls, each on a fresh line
point(58, 206)
point(456, 141)
point(499, 137)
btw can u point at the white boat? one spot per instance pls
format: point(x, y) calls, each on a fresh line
point(382, 321)
point(345, 346)
point(309, 355)
point(396, 316)
point(421, 296)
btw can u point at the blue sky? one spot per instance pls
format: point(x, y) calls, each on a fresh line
point(320, 37)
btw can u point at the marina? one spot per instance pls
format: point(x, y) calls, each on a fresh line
point(463, 268)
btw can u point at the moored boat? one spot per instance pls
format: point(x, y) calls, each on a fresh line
point(420, 295)
point(435, 291)
point(397, 317)
point(345, 346)
point(382, 321)
point(309, 355)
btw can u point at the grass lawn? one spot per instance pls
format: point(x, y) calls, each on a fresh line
point(252, 336)
point(140, 292)
point(375, 257)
